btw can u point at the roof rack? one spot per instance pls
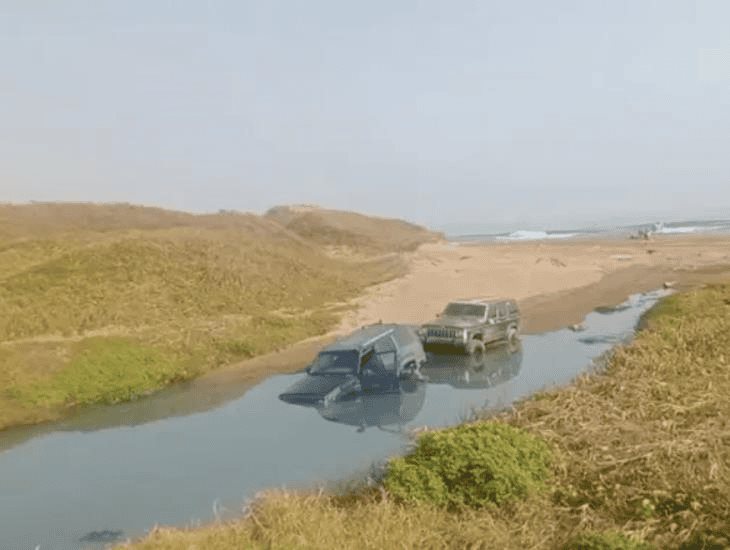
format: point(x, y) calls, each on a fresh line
point(378, 337)
point(478, 299)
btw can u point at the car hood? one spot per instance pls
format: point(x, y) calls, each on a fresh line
point(315, 387)
point(449, 321)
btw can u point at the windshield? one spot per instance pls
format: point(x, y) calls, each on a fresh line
point(335, 362)
point(465, 310)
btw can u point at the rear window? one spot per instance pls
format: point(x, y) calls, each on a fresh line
point(465, 310)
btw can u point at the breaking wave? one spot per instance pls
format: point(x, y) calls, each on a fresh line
point(525, 235)
point(693, 229)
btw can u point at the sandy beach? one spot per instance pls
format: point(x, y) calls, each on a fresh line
point(556, 284)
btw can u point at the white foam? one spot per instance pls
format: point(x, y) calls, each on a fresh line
point(526, 235)
point(681, 229)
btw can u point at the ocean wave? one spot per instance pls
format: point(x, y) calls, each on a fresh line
point(526, 235)
point(687, 229)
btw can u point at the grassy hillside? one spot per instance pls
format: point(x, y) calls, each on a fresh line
point(102, 303)
point(350, 230)
point(637, 456)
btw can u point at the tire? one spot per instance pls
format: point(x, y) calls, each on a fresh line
point(512, 334)
point(475, 348)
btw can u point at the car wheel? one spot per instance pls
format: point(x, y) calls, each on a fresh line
point(475, 348)
point(512, 334)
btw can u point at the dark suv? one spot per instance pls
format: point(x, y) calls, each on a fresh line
point(374, 359)
point(469, 325)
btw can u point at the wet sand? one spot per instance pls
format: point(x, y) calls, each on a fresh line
point(556, 283)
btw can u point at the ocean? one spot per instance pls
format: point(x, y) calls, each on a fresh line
point(657, 228)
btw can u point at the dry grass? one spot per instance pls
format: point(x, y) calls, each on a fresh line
point(642, 459)
point(350, 230)
point(646, 444)
point(172, 294)
point(282, 520)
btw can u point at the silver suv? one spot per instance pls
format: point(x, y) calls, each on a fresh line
point(469, 325)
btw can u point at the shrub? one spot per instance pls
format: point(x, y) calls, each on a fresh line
point(415, 482)
point(474, 465)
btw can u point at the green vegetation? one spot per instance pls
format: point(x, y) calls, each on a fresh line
point(106, 370)
point(473, 465)
point(640, 459)
point(104, 303)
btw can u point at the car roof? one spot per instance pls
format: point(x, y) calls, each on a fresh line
point(482, 301)
point(362, 338)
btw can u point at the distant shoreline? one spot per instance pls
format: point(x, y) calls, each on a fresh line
point(693, 227)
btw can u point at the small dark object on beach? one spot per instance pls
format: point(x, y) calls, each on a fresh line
point(650, 251)
point(553, 261)
point(105, 535)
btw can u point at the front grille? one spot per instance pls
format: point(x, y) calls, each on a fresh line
point(443, 332)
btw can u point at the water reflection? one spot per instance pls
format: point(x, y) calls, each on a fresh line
point(389, 411)
point(186, 398)
point(496, 366)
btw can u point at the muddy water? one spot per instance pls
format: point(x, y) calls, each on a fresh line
point(182, 458)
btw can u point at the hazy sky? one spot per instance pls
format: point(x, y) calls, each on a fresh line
point(525, 113)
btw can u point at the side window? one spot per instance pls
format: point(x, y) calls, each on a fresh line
point(387, 359)
point(385, 344)
point(492, 312)
point(382, 359)
point(406, 337)
point(366, 358)
point(501, 311)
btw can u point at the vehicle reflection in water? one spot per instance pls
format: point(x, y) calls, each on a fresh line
point(389, 411)
point(495, 366)
point(392, 410)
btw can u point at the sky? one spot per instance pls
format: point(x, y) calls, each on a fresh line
point(459, 115)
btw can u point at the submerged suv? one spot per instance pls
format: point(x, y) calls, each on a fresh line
point(469, 325)
point(374, 359)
